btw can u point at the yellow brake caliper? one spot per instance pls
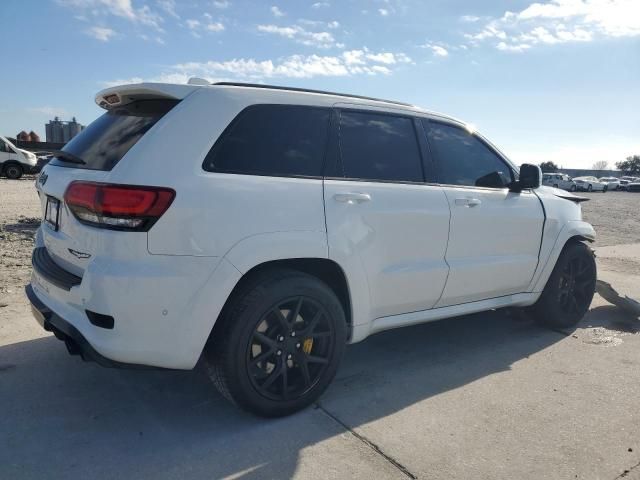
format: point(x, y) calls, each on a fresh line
point(307, 345)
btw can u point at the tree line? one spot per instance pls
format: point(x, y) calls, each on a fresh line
point(630, 166)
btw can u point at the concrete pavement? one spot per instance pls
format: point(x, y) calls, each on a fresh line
point(481, 396)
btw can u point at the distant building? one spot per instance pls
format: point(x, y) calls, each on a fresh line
point(59, 131)
point(28, 137)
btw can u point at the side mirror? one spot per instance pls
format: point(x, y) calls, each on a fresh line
point(530, 177)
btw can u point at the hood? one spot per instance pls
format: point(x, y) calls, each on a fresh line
point(29, 156)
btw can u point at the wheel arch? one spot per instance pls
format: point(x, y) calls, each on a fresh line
point(324, 269)
point(572, 232)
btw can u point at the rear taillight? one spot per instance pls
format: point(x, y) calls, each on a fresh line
point(117, 207)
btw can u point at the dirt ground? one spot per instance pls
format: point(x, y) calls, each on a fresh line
point(613, 214)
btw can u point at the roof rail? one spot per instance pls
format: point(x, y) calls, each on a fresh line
point(307, 90)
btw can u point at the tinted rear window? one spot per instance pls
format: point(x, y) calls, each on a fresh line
point(274, 140)
point(379, 147)
point(108, 138)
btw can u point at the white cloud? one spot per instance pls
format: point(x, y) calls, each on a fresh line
point(277, 12)
point(512, 47)
point(437, 50)
point(48, 111)
point(222, 4)
point(469, 18)
point(207, 25)
point(118, 8)
point(168, 6)
point(355, 62)
point(385, 57)
point(561, 21)
point(301, 35)
point(103, 34)
point(321, 5)
point(193, 24)
point(383, 11)
point(334, 24)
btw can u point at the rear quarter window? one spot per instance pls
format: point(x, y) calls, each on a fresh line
point(108, 138)
point(272, 140)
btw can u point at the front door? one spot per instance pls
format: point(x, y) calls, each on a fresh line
point(495, 234)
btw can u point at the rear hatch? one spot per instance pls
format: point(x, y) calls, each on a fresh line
point(70, 240)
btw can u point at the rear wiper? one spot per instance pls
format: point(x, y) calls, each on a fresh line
point(69, 157)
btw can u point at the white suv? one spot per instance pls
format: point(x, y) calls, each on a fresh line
point(559, 180)
point(263, 228)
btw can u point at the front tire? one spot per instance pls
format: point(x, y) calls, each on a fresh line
point(589, 188)
point(572, 188)
point(13, 171)
point(568, 293)
point(280, 343)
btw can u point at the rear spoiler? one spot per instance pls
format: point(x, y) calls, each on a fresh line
point(124, 94)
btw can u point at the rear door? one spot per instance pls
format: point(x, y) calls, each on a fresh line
point(382, 217)
point(495, 234)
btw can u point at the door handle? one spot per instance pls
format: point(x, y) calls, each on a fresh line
point(468, 202)
point(352, 197)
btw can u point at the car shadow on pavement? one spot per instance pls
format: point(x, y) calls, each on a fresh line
point(64, 418)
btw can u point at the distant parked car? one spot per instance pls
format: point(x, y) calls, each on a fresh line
point(613, 183)
point(559, 180)
point(626, 180)
point(634, 186)
point(589, 184)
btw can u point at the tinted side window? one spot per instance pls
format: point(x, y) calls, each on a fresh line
point(379, 147)
point(465, 160)
point(278, 140)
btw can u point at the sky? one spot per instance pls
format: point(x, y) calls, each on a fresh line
point(553, 80)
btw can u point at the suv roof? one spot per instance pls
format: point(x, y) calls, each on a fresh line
point(122, 94)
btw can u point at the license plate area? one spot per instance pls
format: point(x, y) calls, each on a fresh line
point(52, 213)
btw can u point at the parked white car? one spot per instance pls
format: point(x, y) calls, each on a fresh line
point(267, 242)
point(559, 180)
point(612, 183)
point(589, 184)
point(14, 161)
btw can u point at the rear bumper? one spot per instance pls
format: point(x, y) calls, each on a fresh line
point(161, 308)
point(74, 340)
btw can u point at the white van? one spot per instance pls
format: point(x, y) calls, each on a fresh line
point(14, 162)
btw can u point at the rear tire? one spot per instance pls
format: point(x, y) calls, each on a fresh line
point(568, 293)
point(13, 171)
point(589, 188)
point(279, 344)
point(572, 188)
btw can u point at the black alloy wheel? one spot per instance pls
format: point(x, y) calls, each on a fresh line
point(568, 293)
point(278, 343)
point(290, 349)
point(575, 285)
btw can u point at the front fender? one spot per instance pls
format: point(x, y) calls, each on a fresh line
point(571, 229)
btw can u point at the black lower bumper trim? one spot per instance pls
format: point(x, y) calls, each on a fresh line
point(74, 340)
point(51, 271)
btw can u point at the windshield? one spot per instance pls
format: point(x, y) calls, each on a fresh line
point(105, 141)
